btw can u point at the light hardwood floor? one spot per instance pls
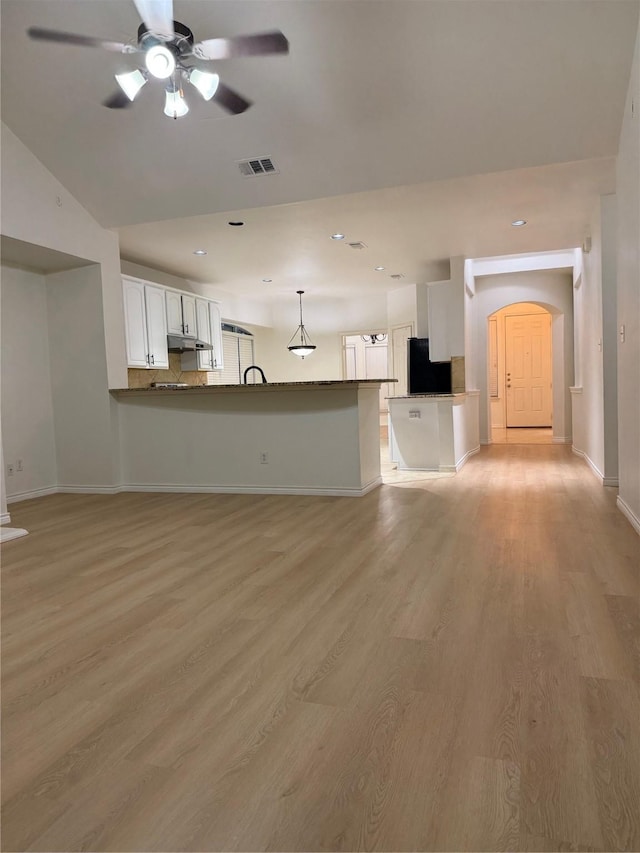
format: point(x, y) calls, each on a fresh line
point(449, 665)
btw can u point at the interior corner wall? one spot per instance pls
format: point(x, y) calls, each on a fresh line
point(628, 275)
point(608, 217)
point(553, 290)
point(589, 405)
point(26, 404)
point(86, 435)
point(37, 209)
point(402, 306)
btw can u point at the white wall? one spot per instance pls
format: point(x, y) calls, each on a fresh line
point(402, 306)
point(27, 406)
point(553, 290)
point(628, 195)
point(610, 336)
point(84, 412)
point(37, 209)
point(588, 404)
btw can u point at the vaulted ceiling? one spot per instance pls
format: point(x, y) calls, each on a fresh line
point(419, 127)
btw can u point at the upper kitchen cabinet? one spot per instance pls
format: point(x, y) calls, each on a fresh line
point(145, 324)
point(216, 336)
point(181, 313)
point(209, 330)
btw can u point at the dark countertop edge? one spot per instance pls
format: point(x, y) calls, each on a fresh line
point(268, 386)
point(434, 396)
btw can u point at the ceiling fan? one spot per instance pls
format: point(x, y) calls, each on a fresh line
point(168, 47)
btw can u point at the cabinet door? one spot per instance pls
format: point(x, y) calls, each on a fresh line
point(216, 336)
point(156, 327)
point(135, 323)
point(205, 357)
point(189, 323)
point(174, 313)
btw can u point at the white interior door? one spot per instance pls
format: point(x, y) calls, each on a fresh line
point(528, 370)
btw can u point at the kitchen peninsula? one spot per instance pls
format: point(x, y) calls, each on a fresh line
point(433, 432)
point(273, 438)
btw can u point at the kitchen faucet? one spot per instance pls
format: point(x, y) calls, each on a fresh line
point(254, 367)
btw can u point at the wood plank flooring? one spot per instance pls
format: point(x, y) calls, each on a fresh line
point(445, 665)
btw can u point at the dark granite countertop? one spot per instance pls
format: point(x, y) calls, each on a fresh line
point(324, 384)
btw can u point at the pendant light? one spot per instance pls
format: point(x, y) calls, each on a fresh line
point(300, 343)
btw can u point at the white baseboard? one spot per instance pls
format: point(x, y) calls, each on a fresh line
point(610, 481)
point(5, 518)
point(561, 439)
point(626, 510)
point(485, 441)
point(251, 490)
point(590, 463)
point(462, 461)
point(89, 490)
point(34, 493)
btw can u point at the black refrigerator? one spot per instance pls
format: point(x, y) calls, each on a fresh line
point(426, 376)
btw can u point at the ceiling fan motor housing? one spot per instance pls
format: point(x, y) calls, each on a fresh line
point(181, 43)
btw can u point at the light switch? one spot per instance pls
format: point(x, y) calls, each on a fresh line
point(414, 413)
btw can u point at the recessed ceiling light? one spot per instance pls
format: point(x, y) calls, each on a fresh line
point(518, 222)
point(236, 224)
point(378, 269)
point(267, 280)
point(199, 251)
point(337, 236)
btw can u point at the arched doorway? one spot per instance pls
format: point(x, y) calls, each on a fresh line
point(519, 380)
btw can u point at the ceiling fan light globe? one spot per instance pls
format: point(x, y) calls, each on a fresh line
point(204, 82)
point(131, 83)
point(175, 105)
point(160, 61)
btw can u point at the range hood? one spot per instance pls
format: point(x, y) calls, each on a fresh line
point(178, 343)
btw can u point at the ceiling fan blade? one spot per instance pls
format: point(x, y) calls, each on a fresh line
point(230, 100)
point(158, 16)
point(259, 44)
point(41, 34)
point(117, 101)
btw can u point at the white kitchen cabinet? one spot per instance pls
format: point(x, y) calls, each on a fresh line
point(145, 324)
point(174, 312)
point(216, 336)
point(209, 329)
point(156, 327)
point(189, 315)
point(203, 325)
point(135, 323)
point(181, 313)
point(200, 359)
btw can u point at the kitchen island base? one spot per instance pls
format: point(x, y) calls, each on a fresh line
point(295, 438)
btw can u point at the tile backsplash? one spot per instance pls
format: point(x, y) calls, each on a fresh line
point(139, 378)
point(457, 374)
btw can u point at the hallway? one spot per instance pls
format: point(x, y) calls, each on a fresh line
point(451, 664)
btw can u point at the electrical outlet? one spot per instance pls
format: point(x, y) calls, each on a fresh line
point(264, 458)
point(10, 469)
point(19, 465)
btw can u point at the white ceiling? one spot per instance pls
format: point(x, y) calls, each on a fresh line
point(378, 121)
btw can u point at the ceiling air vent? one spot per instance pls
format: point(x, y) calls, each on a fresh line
point(257, 166)
point(397, 275)
point(357, 245)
